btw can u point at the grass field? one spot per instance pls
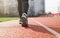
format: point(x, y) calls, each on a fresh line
point(2, 19)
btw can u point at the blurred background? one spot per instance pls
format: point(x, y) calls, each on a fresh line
point(36, 8)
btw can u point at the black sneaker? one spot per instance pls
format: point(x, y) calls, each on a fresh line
point(24, 20)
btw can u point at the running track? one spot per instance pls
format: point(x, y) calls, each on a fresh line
point(39, 27)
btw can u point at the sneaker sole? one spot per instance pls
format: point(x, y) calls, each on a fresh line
point(24, 22)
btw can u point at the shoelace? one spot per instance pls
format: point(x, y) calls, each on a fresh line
point(24, 15)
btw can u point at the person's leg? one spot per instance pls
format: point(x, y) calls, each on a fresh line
point(25, 6)
point(23, 9)
point(20, 8)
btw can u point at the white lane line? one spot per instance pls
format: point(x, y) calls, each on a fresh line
point(47, 28)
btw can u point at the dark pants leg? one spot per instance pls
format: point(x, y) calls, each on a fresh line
point(22, 7)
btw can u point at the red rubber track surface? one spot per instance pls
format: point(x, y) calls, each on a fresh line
point(12, 29)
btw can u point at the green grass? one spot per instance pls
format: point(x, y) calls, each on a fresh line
point(2, 19)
